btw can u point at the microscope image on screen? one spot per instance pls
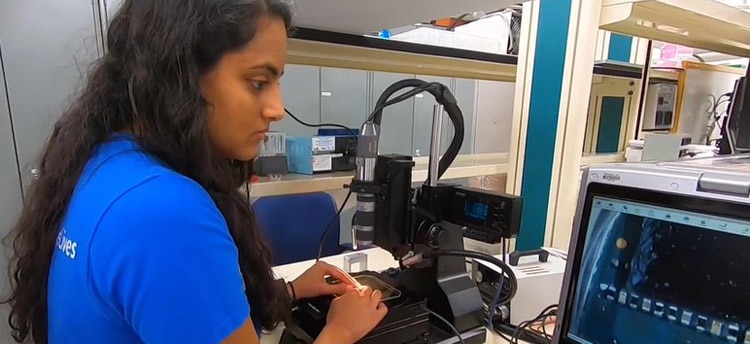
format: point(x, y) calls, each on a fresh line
point(644, 277)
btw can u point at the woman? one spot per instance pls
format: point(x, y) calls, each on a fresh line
point(135, 230)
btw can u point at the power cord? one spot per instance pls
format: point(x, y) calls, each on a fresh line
point(328, 227)
point(522, 333)
point(321, 125)
point(341, 208)
point(445, 321)
point(496, 300)
point(506, 331)
point(414, 91)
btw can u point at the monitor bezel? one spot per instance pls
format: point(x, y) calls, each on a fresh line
point(703, 205)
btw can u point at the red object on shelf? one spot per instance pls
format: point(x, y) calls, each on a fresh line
point(449, 22)
point(254, 179)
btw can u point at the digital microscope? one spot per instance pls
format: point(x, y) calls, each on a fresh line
point(431, 297)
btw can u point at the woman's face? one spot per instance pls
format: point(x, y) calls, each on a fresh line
point(243, 92)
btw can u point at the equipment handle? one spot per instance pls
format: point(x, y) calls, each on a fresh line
point(515, 256)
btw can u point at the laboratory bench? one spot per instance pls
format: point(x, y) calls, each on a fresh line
point(377, 260)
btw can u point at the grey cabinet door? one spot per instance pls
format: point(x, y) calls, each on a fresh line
point(10, 189)
point(343, 96)
point(300, 88)
point(465, 92)
point(110, 7)
point(423, 109)
point(10, 186)
point(397, 125)
point(494, 116)
point(48, 46)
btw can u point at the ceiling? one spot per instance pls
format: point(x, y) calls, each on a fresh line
point(367, 16)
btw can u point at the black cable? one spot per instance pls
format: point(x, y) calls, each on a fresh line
point(547, 312)
point(528, 336)
point(495, 300)
point(328, 227)
point(502, 335)
point(444, 97)
point(377, 112)
point(543, 323)
point(341, 208)
point(544, 329)
point(453, 328)
point(322, 125)
point(512, 280)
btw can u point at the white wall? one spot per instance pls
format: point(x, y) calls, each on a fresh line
point(700, 85)
point(494, 116)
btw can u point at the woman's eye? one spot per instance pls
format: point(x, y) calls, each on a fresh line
point(259, 85)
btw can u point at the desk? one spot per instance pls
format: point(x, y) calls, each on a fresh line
point(377, 260)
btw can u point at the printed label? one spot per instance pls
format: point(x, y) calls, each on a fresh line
point(322, 162)
point(324, 144)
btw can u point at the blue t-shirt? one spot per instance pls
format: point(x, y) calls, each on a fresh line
point(143, 256)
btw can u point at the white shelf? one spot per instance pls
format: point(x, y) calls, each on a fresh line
point(353, 57)
point(664, 74)
point(465, 166)
point(364, 16)
point(702, 24)
point(592, 159)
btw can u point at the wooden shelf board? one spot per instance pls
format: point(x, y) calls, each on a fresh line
point(463, 167)
point(352, 57)
point(702, 24)
point(592, 159)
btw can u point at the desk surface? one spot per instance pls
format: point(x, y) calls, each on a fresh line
point(377, 260)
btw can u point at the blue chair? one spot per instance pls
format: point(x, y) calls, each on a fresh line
point(294, 223)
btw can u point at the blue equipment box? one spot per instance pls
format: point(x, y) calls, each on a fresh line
point(318, 154)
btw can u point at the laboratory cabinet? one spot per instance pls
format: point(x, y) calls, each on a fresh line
point(47, 48)
point(397, 125)
point(493, 116)
point(300, 89)
point(465, 92)
point(104, 11)
point(343, 96)
point(10, 185)
point(10, 188)
point(423, 113)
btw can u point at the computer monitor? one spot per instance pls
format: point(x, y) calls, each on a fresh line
point(657, 257)
point(735, 129)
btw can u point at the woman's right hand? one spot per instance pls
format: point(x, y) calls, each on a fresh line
point(354, 314)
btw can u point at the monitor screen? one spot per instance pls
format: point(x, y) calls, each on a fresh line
point(658, 274)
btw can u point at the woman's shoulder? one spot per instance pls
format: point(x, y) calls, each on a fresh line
point(124, 184)
point(164, 195)
point(161, 213)
point(120, 173)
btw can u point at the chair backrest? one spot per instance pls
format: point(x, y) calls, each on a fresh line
point(294, 224)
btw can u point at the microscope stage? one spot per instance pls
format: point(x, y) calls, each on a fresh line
point(407, 320)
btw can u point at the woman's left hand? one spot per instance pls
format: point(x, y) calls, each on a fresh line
point(313, 282)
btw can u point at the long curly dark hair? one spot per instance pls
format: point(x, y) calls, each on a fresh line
point(148, 82)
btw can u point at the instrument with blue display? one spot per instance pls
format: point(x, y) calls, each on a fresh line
point(489, 215)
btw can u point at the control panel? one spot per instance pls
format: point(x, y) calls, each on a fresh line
point(488, 216)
